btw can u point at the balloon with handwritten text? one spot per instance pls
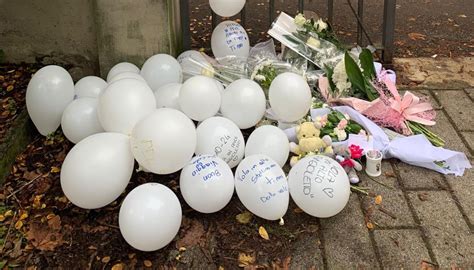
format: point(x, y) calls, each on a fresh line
point(319, 186)
point(209, 175)
point(230, 38)
point(220, 136)
point(262, 187)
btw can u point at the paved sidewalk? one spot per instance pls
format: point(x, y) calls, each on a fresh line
point(427, 219)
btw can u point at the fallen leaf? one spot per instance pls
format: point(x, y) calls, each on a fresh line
point(2, 218)
point(462, 16)
point(18, 224)
point(423, 196)
point(370, 225)
point(8, 213)
point(193, 236)
point(390, 174)
point(55, 169)
point(378, 199)
point(417, 36)
point(10, 88)
point(244, 217)
point(245, 259)
point(106, 259)
point(118, 266)
point(263, 233)
point(24, 216)
point(147, 263)
point(298, 210)
point(45, 237)
point(220, 268)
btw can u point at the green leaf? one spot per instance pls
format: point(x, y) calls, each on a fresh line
point(353, 73)
point(329, 73)
point(367, 63)
point(292, 39)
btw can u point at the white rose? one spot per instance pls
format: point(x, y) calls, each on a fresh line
point(341, 134)
point(300, 20)
point(313, 43)
point(320, 25)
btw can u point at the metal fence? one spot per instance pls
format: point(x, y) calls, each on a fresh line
point(387, 34)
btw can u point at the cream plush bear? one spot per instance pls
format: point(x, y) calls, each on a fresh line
point(309, 142)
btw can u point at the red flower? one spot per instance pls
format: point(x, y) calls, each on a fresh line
point(356, 151)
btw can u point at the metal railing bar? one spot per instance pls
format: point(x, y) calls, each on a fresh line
point(388, 29)
point(330, 11)
point(300, 6)
point(185, 24)
point(271, 10)
point(360, 13)
point(243, 17)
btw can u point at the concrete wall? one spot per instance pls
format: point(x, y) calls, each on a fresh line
point(88, 36)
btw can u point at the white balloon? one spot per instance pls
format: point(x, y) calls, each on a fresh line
point(319, 186)
point(226, 8)
point(97, 170)
point(209, 175)
point(192, 63)
point(230, 38)
point(90, 86)
point(80, 119)
point(200, 98)
point(290, 97)
point(161, 69)
point(164, 141)
point(262, 187)
point(270, 141)
point(244, 103)
point(126, 75)
point(167, 96)
point(150, 217)
point(123, 103)
point(49, 92)
point(122, 67)
point(220, 136)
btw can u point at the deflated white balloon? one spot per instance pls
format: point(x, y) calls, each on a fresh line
point(270, 141)
point(319, 186)
point(126, 75)
point(164, 141)
point(167, 96)
point(220, 136)
point(122, 67)
point(209, 175)
point(193, 63)
point(49, 92)
point(80, 119)
point(90, 86)
point(226, 8)
point(123, 103)
point(200, 98)
point(290, 97)
point(244, 103)
point(97, 170)
point(150, 217)
point(161, 69)
point(230, 38)
point(262, 187)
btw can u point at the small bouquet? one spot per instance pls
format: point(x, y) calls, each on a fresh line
point(314, 40)
point(338, 125)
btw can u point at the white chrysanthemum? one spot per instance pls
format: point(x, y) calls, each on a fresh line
point(341, 134)
point(259, 78)
point(339, 77)
point(300, 20)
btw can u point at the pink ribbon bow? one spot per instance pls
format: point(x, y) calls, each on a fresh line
point(409, 106)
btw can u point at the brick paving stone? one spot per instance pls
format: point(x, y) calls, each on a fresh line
point(426, 93)
point(451, 239)
point(394, 209)
point(463, 188)
point(307, 254)
point(469, 137)
point(419, 178)
point(459, 106)
point(346, 239)
point(446, 131)
point(401, 248)
point(470, 92)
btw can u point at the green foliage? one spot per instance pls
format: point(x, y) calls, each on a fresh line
point(367, 64)
point(359, 83)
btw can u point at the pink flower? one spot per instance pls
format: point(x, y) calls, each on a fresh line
point(356, 151)
point(342, 124)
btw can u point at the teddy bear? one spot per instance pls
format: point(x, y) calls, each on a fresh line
point(346, 156)
point(309, 142)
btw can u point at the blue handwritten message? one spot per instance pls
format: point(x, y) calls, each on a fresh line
point(235, 36)
point(206, 167)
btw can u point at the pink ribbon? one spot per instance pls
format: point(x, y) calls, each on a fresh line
point(409, 106)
